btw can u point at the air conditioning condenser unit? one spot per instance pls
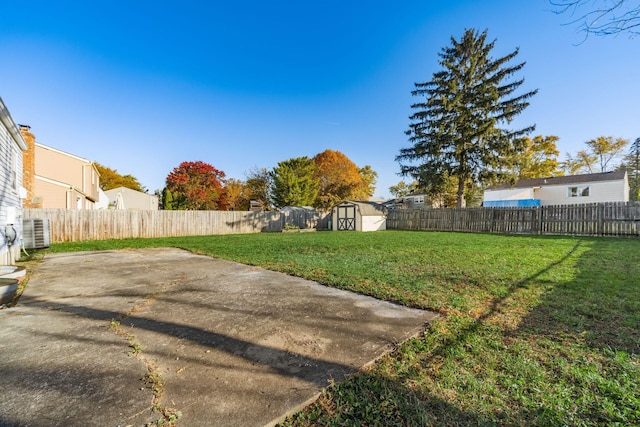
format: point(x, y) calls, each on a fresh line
point(35, 233)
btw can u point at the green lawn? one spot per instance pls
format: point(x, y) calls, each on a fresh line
point(534, 330)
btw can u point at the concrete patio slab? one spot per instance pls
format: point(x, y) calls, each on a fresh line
point(234, 345)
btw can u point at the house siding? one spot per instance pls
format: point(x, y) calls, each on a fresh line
point(10, 179)
point(78, 176)
point(56, 195)
point(602, 187)
point(509, 194)
point(10, 185)
point(605, 191)
point(415, 201)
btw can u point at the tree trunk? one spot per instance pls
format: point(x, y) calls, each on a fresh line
point(461, 202)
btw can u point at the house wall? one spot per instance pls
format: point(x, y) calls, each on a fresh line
point(56, 195)
point(603, 191)
point(416, 201)
point(509, 194)
point(67, 169)
point(10, 187)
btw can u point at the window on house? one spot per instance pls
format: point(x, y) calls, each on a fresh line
point(583, 191)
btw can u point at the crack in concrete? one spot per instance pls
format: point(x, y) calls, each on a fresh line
point(153, 377)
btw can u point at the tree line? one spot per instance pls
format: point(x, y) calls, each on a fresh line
point(321, 181)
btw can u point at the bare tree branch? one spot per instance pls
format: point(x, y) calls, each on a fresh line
point(601, 17)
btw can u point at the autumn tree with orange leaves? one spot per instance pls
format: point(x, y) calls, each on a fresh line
point(110, 178)
point(236, 195)
point(340, 179)
point(195, 186)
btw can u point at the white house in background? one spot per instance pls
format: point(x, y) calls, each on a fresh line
point(126, 198)
point(561, 190)
point(11, 191)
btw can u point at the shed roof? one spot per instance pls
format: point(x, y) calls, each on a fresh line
point(367, 208)
point(563, 180)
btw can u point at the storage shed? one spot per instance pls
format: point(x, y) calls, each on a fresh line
point(358, 216)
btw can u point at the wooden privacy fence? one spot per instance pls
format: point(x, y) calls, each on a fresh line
point(79, 225)
point(595, 219)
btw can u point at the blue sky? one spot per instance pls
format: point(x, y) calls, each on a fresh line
point(142, 86)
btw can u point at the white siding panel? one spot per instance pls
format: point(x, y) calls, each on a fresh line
point(10, 184)
point(509, 194)
point(605, 191)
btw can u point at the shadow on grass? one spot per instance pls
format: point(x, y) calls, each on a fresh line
point(601, 305)
point(369, 399)
point(464, 332)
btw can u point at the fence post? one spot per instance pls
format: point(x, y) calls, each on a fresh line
point(540, 211)
point(493, 214)
point(600, 215)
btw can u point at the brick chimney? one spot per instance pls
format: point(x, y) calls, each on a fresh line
point(29, 166)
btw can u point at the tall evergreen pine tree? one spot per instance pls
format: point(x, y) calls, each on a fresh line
point(459, 129)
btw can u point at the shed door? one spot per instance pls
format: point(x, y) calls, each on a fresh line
point(346, 218)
